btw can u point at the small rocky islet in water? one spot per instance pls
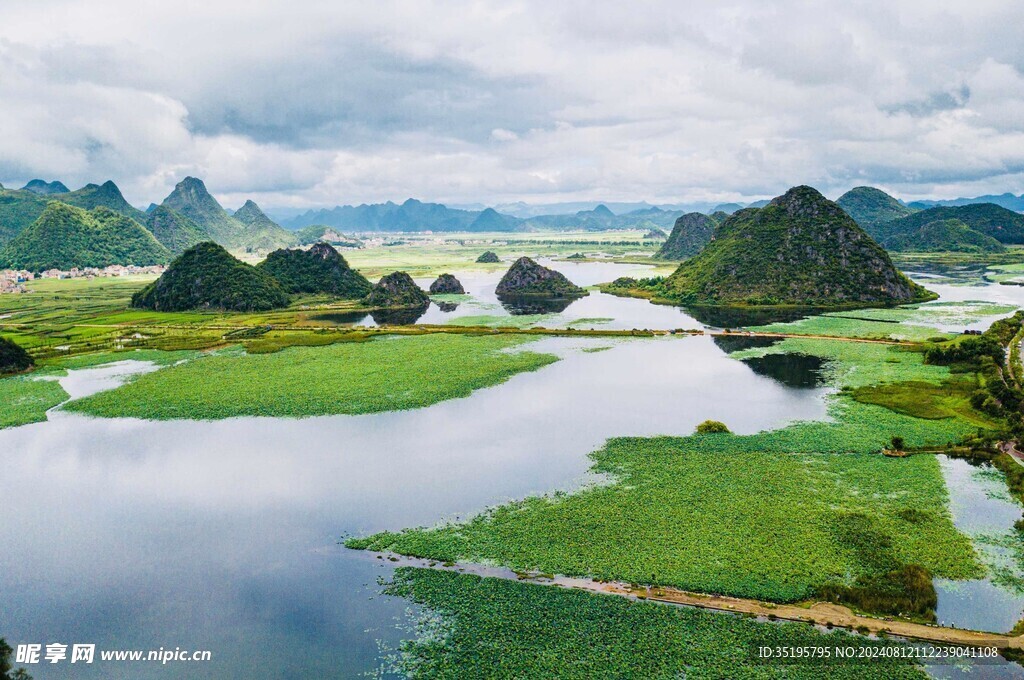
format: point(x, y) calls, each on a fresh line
point(446, 284)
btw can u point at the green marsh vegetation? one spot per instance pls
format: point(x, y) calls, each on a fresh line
point(809, 510)
point(539, 631)
point(766, 516)
point(915, 323)
point(26, 398)
point(344, 378)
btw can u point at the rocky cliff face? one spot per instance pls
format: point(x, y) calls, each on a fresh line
point(526, 277)
point(397, 290)
point(690, 234)
point(446, 284)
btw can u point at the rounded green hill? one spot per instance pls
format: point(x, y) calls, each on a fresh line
point(800, 249)
point(208, 277)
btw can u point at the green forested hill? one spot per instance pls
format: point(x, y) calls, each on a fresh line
point(248, 229)
point(18, 209)
point(21, 207)
point(321, 269)
point(262, 233)
point(690, 234)
point(65, 236)
point(990, 219)
point(951, 236)
point(105, 195)
point(175, 231)
point(869, 206)
point(799, 249)
point(13, 359)
point(191, 199)
point(208, 277)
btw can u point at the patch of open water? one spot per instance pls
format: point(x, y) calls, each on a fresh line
point(223, 535)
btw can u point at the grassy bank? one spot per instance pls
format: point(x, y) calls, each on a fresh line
point(914, 323)
point(491, 628)
point(348, 378)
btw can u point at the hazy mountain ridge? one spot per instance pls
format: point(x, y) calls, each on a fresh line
point(992, 220)
point(948, 236)
point(869, 206)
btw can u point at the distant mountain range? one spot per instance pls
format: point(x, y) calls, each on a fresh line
point(969, 227)
point(38, 231)
point(413, 215)
point(1008, 201)
point(191, 215)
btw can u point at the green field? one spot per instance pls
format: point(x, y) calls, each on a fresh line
point(386, 374)
point(431, 255)
point(492, 628)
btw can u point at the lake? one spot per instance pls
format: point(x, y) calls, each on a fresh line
point(223, 535)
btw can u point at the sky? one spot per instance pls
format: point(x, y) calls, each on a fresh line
point(319, 103)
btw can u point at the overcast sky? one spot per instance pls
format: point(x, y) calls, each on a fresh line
point(305, 103)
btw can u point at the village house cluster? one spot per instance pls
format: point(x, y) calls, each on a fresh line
point(13, 280)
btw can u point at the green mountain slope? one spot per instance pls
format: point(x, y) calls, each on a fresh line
point(207, 277)
point(321, 269)
point(491, 220)
point(800, 249)
point(191, 199)
point(944, 236)
point(869, 206)
point(990, 219)
point(105, 195)
point(261, 232)
point(18, 209)
point(176, 232)
point(65, 236)
point(690, 234)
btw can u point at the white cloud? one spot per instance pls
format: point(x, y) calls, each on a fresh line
point(494, 102)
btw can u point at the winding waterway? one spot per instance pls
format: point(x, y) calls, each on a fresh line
point(224, 535)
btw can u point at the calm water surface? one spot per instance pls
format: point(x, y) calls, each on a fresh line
point(596, 310)
point(981, 507)
point(223, 535)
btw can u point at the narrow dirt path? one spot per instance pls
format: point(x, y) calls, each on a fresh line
point(821, 613)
